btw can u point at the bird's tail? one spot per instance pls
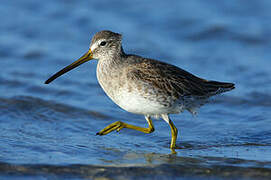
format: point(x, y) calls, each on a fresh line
point(215, 87)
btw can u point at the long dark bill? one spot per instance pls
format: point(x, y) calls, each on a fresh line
point(86, 57)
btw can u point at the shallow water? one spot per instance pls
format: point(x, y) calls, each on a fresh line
point(48, 131)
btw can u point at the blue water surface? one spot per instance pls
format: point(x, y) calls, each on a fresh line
point(49, 130)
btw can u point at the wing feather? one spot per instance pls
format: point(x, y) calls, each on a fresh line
point(174, 81)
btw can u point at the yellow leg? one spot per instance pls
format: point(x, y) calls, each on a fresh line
point(118, 125)
point(174, 132)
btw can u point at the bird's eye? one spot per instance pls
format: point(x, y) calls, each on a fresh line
point(103, 43)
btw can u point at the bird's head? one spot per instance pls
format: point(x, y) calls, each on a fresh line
point(104, 44)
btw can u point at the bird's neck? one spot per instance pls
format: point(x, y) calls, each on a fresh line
point(109, 68)
point(112, 60)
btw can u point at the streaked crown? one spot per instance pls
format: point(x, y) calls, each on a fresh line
point(105, 44)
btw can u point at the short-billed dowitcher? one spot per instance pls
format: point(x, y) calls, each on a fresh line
point(144, 86)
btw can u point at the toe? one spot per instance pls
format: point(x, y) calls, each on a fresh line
point(99, 133)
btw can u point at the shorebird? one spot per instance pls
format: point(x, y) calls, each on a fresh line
point(144, 86)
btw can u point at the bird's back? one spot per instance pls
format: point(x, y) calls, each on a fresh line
point(173, 80)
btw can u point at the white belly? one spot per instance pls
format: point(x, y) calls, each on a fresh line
point(135, 103)
point(132, 97)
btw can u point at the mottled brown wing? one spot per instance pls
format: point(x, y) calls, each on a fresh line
point(175, 81)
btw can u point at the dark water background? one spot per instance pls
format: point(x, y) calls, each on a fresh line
point(48, 131)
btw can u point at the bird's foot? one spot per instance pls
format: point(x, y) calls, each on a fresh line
point(118, 125)
point(173, 149)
